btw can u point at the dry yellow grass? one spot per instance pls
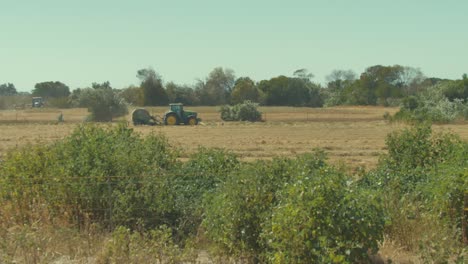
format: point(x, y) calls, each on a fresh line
point(350, 135)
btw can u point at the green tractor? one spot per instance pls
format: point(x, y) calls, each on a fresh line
point(176, 115)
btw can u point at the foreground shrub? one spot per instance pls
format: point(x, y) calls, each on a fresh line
point(237, 211)
point(151, 246)
point(111, 176)
point(188, 184)
point(246, 111)
point(262, 213)
point(423, 180)
point(320, 219)
point(412, 154)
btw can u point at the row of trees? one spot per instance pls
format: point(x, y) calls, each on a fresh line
point(377, 85)
point(44, 89)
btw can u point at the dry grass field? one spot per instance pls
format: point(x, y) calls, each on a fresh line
point(354, 136)
point(351, 135)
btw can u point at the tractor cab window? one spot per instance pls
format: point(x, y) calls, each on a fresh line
point(176, 108)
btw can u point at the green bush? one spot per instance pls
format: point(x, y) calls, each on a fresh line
point(321, 219)
point(422, 181)
point(412, 153)
point(188, 184)
point(410, 103)
point(236, 212)
point(246, 111)
point(111, 176)
point(103, 103)
point(293, 211)
point(433, 105)
point(287, 210)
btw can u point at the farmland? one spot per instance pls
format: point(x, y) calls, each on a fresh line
point(351, 135)
point(102, 182)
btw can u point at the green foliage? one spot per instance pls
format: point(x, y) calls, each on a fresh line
point(321, 219)
point(108, 175)
point(283, 90)
point(433, 105)
point(7, 89)
point(203, 173)
point(151, 246)
point(51, 89)
point(246, 111)
point(264, 212)
point(181, 94)
point(419, 147)
point(132, 95)
point(245, 89)
point(411, 154)
point(153, 89)
point(377, 85)
point(423, 180)
point(217, 87)
point(286, 210)
point(410, 103)
point(457, 89)
point(236, 212)
point(103, 103)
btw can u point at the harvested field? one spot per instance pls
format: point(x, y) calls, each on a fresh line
point(351, 135)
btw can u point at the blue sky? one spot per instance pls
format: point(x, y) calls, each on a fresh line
point(80, 42)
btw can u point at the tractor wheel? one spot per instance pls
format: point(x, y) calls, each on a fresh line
point(171, 120)
point(192, 121)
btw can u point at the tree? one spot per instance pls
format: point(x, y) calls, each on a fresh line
point(338, 81)
point(412, 80)
point(217, 88)
point(378, 83)
point(245, 89)
point(153, 89)
point(457, 89)
point(341, 75)
point(132, 95)
point(303, 74)
point(102, 101)
point(288, 91)
point(7, 89)
point(51, 89)
point(297, 92)
point(104, 85)
point(275, 90)
point(181, 94)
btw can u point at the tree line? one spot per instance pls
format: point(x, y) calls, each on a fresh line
point(377, 85)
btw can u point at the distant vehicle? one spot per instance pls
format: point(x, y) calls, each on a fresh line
point(174, 116)
point(37, 102)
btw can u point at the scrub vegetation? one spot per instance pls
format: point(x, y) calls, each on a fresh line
point(111, 195)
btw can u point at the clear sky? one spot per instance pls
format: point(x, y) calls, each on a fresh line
point(80, 42)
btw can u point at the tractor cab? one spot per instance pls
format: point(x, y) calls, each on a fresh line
point(177, 108)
